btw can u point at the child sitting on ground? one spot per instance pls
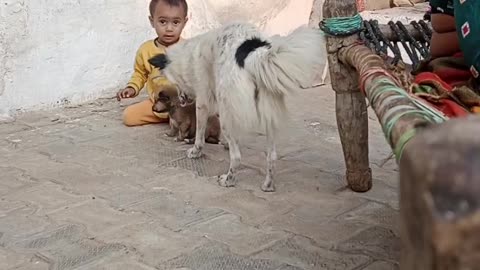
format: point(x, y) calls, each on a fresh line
point(168, 18)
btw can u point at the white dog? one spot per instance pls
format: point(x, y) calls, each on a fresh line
point(244, 76)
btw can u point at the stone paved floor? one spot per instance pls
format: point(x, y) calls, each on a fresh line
point(80, 191)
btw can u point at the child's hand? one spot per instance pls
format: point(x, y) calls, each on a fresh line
point(128, 92)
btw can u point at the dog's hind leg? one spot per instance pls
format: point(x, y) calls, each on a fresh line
point(229, 179)
point(269, 185)
point(202, 117)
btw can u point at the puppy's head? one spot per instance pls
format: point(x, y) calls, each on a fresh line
point(163, 103)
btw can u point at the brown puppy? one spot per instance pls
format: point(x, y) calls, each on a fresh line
point(183, 120)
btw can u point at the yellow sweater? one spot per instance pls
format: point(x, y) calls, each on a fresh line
point(145, 73)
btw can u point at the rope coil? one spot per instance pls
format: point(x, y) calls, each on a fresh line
point(342, 26)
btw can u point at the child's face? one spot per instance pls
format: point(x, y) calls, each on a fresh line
point(168, 22)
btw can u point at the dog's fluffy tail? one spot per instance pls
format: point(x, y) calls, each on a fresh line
point(290, 63)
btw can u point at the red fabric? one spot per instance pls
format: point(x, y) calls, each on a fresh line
point(448, 107)
point(453, 76)
point(430, 78)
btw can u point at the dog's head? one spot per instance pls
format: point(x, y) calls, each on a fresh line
point(160, 61)
point(175, 64)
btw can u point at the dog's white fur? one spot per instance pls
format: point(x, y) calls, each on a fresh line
point(249, 98)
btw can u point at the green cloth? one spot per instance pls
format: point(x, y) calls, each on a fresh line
point(442, 6)
point(467, 20)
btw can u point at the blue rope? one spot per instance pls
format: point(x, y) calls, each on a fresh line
point(342, 26)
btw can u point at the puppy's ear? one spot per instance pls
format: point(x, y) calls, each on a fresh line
point(160, 61)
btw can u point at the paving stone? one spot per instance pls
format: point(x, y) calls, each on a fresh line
point(375, 214)
point(74, 177)
point(376, 241)
point(38, 119)
point(307, 219)
point(116, 263)
point(65, 247)
point(289, 267)
point(93, 158)
point(216, 257)
point(80, 253)
point(11, 259)
point(252, 209)
point(13, 127)
point(14, 179)
point(28, 139)
point(48, 197)
point(333, 231)
point(300, 252)
point(36, 262)
point(202, 166)
point(328, 159)
point(7, 206)
point(141, 150)
point(379, 265)
point(97, 216)
point(21, 221)
point(80, 135)
point(153, 242)
point(196, 189)
point(382, 193)
point(173, 212)
point(55, 238)
point(82, 191)
point(241, 238)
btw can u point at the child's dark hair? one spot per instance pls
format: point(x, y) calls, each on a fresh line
point(175, 3)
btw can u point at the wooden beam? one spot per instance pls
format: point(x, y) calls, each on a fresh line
point(351, 108)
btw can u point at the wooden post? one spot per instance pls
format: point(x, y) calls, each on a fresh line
point(351, 108)
point(439, 198)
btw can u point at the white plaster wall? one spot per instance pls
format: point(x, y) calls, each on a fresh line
point(67, 51)
point(55, 52)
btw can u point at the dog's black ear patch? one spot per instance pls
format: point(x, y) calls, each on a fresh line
point(160, 61)
point(247, 47)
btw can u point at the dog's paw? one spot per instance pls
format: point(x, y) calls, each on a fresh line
point(268, 187)
point(169, 134)
point(226, 180)
point(225, 145)
point(189, 141)
point(194, 152)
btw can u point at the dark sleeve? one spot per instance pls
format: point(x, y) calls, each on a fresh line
point(442, 7)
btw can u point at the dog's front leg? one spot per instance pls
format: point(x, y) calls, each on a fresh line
point(229, 179)
point(269, 185)
point(202, 117)
point(172, 132)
